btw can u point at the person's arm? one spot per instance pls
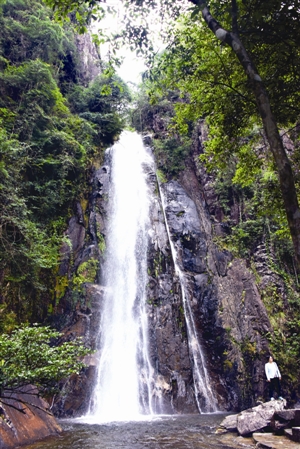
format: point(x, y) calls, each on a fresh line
point(278, 372)
point(267, 372)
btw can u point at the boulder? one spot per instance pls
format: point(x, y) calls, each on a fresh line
point(229, 424)
point(296, 434)
point(255, 418)
point(25, 418)
point(297, 418)
point(282, 419)
point(259, 417)
point(148, 140)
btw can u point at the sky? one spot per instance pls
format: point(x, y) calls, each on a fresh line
point(133, 66)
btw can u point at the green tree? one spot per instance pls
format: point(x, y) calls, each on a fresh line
point(261, 21)
point(31, 356)
point(29, 32)
point(103, 103)
point(44, 154)
point(231, 37)
point(47, 146)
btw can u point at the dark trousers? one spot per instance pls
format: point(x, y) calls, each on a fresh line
point(274, 385)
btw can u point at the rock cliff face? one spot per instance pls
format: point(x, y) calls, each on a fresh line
point(89, 59)
point(229, 316)
point(25, 418)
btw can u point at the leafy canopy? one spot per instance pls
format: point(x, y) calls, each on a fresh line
point(29, 356)
point(51, 130)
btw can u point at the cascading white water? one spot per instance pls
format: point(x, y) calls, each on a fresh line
point(123, 388)
point(202, 384)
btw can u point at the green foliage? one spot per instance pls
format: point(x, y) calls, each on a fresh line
point(161, 177)
point(103, 104)
point(28, 32)
point(171, 153)
point(101, 242)
point(285, 339)
point(47, 147)
point(44, 152)
point(7, 319)
point(211, 85)
point(155, 114)
point(86, 272)
point(29, 356)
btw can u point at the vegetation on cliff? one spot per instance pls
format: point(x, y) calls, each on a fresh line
point(29, 356)
point(243, 28)
point(192, 82)
point(198, 79)
point(51, 130)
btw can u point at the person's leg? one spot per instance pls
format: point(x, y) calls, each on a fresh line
point(277, 386)
point(271, 388)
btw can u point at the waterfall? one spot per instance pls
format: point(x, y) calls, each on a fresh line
point(202, 383)
point(123, 387)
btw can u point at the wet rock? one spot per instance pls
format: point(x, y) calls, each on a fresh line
point(25, 418)
point(229, 424)
point(148, 140)
point(225, 299)
point(255, 419)
point(258, 418)
point(269, 441)
point(169, 352)
point(283, 419)
point(76, 391)
point(296, 434)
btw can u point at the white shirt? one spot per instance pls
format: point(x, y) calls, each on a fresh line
point(272, 370)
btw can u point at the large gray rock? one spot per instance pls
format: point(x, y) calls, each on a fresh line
point(88, 58)
point(257, 418)
point(283, 419)
point(229, 424)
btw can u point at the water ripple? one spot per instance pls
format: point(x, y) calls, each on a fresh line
point(173, 432)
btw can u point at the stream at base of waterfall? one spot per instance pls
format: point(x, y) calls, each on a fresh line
point(161, 432)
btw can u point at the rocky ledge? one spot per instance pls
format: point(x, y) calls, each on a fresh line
point(270, 441)
point(270, 424)
point(25, 418)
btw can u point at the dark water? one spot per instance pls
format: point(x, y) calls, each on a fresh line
point(168, 432)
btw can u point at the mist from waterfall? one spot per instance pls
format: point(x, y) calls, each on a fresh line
point(123, 388)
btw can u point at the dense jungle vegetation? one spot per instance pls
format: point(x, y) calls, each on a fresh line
point(54, 128)
point(197, 88)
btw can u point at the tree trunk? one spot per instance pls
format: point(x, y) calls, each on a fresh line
point(286, 178)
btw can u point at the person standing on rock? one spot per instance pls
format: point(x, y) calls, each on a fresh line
point(273, 377)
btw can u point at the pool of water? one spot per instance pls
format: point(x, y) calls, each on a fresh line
point(163, 432)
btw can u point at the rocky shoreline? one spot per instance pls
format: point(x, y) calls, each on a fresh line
point(270, 424)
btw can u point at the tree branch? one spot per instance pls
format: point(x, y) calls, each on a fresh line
point(284, 169)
